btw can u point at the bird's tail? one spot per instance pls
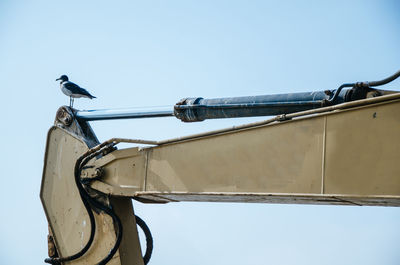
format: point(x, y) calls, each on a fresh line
point(92, 97)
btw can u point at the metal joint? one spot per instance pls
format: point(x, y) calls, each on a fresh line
point(65, 115)
point(92, 175)
point(283, 117)
point(187, 114)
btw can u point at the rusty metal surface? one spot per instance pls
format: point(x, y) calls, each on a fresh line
point(51, 247)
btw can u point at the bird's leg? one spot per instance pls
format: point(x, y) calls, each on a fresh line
point(70, 102)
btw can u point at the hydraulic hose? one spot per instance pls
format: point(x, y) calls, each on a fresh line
point(91, 203)
point(149, 239)
point(365, 85)
point(385, 81)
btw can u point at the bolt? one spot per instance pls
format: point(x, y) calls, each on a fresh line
point(99, 172)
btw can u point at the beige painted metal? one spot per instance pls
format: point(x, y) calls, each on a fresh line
point(345, 156)
point(66, 215)
point(369, 163)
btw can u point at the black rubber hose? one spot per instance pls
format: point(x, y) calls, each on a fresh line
point(103, 208)
point(385, 81)
point(337, 92)
point(149, 239)
point(112, 252)
point(89, 203)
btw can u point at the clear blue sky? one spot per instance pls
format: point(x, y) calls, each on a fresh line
point(153, 53)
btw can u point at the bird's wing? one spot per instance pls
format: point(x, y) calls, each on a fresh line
point(75, 89)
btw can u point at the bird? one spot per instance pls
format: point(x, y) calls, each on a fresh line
point(72, 90)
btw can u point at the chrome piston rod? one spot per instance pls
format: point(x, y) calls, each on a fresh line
point(129, 113)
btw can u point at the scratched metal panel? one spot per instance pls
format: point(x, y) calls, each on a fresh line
point(282, 158)
point(64, 209)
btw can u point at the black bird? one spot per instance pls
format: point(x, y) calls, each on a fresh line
point(73, 90)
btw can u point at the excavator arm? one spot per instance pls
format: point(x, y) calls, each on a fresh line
point(343, 156)
point(338, 154)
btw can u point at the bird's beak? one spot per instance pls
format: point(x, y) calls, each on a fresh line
point(58, 79)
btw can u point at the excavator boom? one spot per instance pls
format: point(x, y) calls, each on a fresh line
point(343, 152)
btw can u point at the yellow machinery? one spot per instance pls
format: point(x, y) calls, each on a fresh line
point(341, 148)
